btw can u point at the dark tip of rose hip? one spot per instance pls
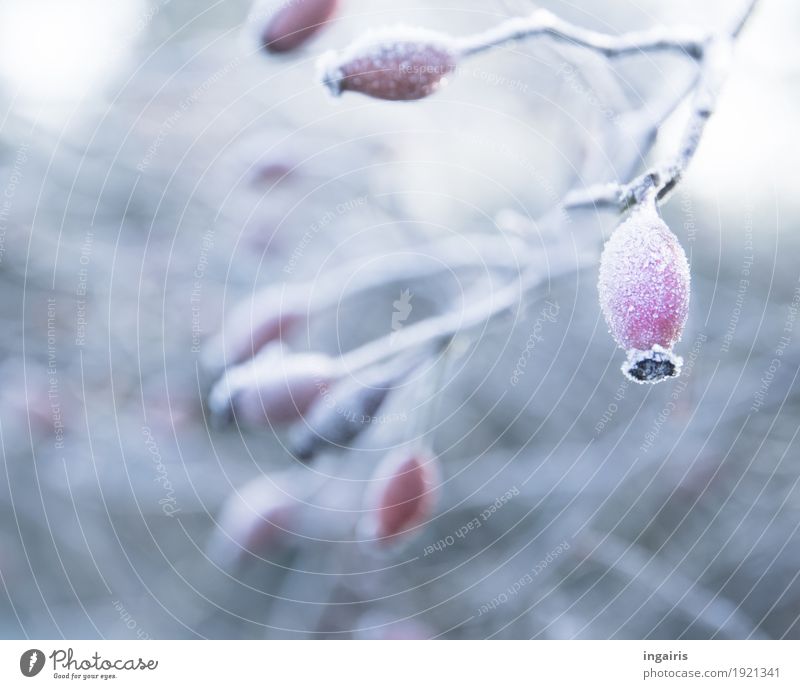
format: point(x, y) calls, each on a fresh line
point(652, 370)
point(653, 365)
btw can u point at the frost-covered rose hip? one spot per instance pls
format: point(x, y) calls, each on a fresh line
point(391, 64)
point(644, 294)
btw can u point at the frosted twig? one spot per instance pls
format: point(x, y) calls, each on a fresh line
point(666, 176)
point(407, 63)
point(437, 331)
point(278, 307)
point(686, 41)
point(478, 251)
point(714, 63)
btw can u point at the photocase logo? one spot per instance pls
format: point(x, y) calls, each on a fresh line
point(31, 662)
point(402, 310)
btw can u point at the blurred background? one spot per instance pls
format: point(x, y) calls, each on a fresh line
point(157, 168)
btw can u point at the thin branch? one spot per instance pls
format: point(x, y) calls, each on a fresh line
point(715, 70)
point(301, 300)
point(460, 252)
point(437, 331)
point(744, 16)
point(686, 41)
point(665, 176)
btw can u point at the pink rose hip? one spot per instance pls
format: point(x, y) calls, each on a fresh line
point(644, 294)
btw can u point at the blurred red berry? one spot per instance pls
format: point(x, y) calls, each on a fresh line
point(257, 518)
point(404, 494)
point(295, 22)
point(264, 318)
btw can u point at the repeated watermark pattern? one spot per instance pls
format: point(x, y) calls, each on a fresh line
point(678, 389)
point(196, 296)
point(548, 314)
point(10, 191)
point(53, 387)
point(612, 407)
point(473, 524)
point(780, 350)
point(572, 77)
point(744, 280)
point(320, 224)
point(171, 122)
point(169, 504)
point(525, 580)
point(129, 621)
point(82, 289)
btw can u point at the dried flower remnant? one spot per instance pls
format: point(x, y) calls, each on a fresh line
point(403, 496)
point(644, 294)
point(295, 22)
point(391, 64)
point(273, 388)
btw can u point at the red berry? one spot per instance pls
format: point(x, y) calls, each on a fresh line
point(295, 22)
point(644, 294)
point(257, 518)
point(404, 494)
point(392, 64)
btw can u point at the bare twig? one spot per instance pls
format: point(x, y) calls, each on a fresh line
point(666, 176)
point(285, 302)
point(476, 251)
point(686, 41)
point(439, 330)
point(714, 61)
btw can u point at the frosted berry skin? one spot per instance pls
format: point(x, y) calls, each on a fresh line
point(644, 294)
point(397, 64)
point(295, 22)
